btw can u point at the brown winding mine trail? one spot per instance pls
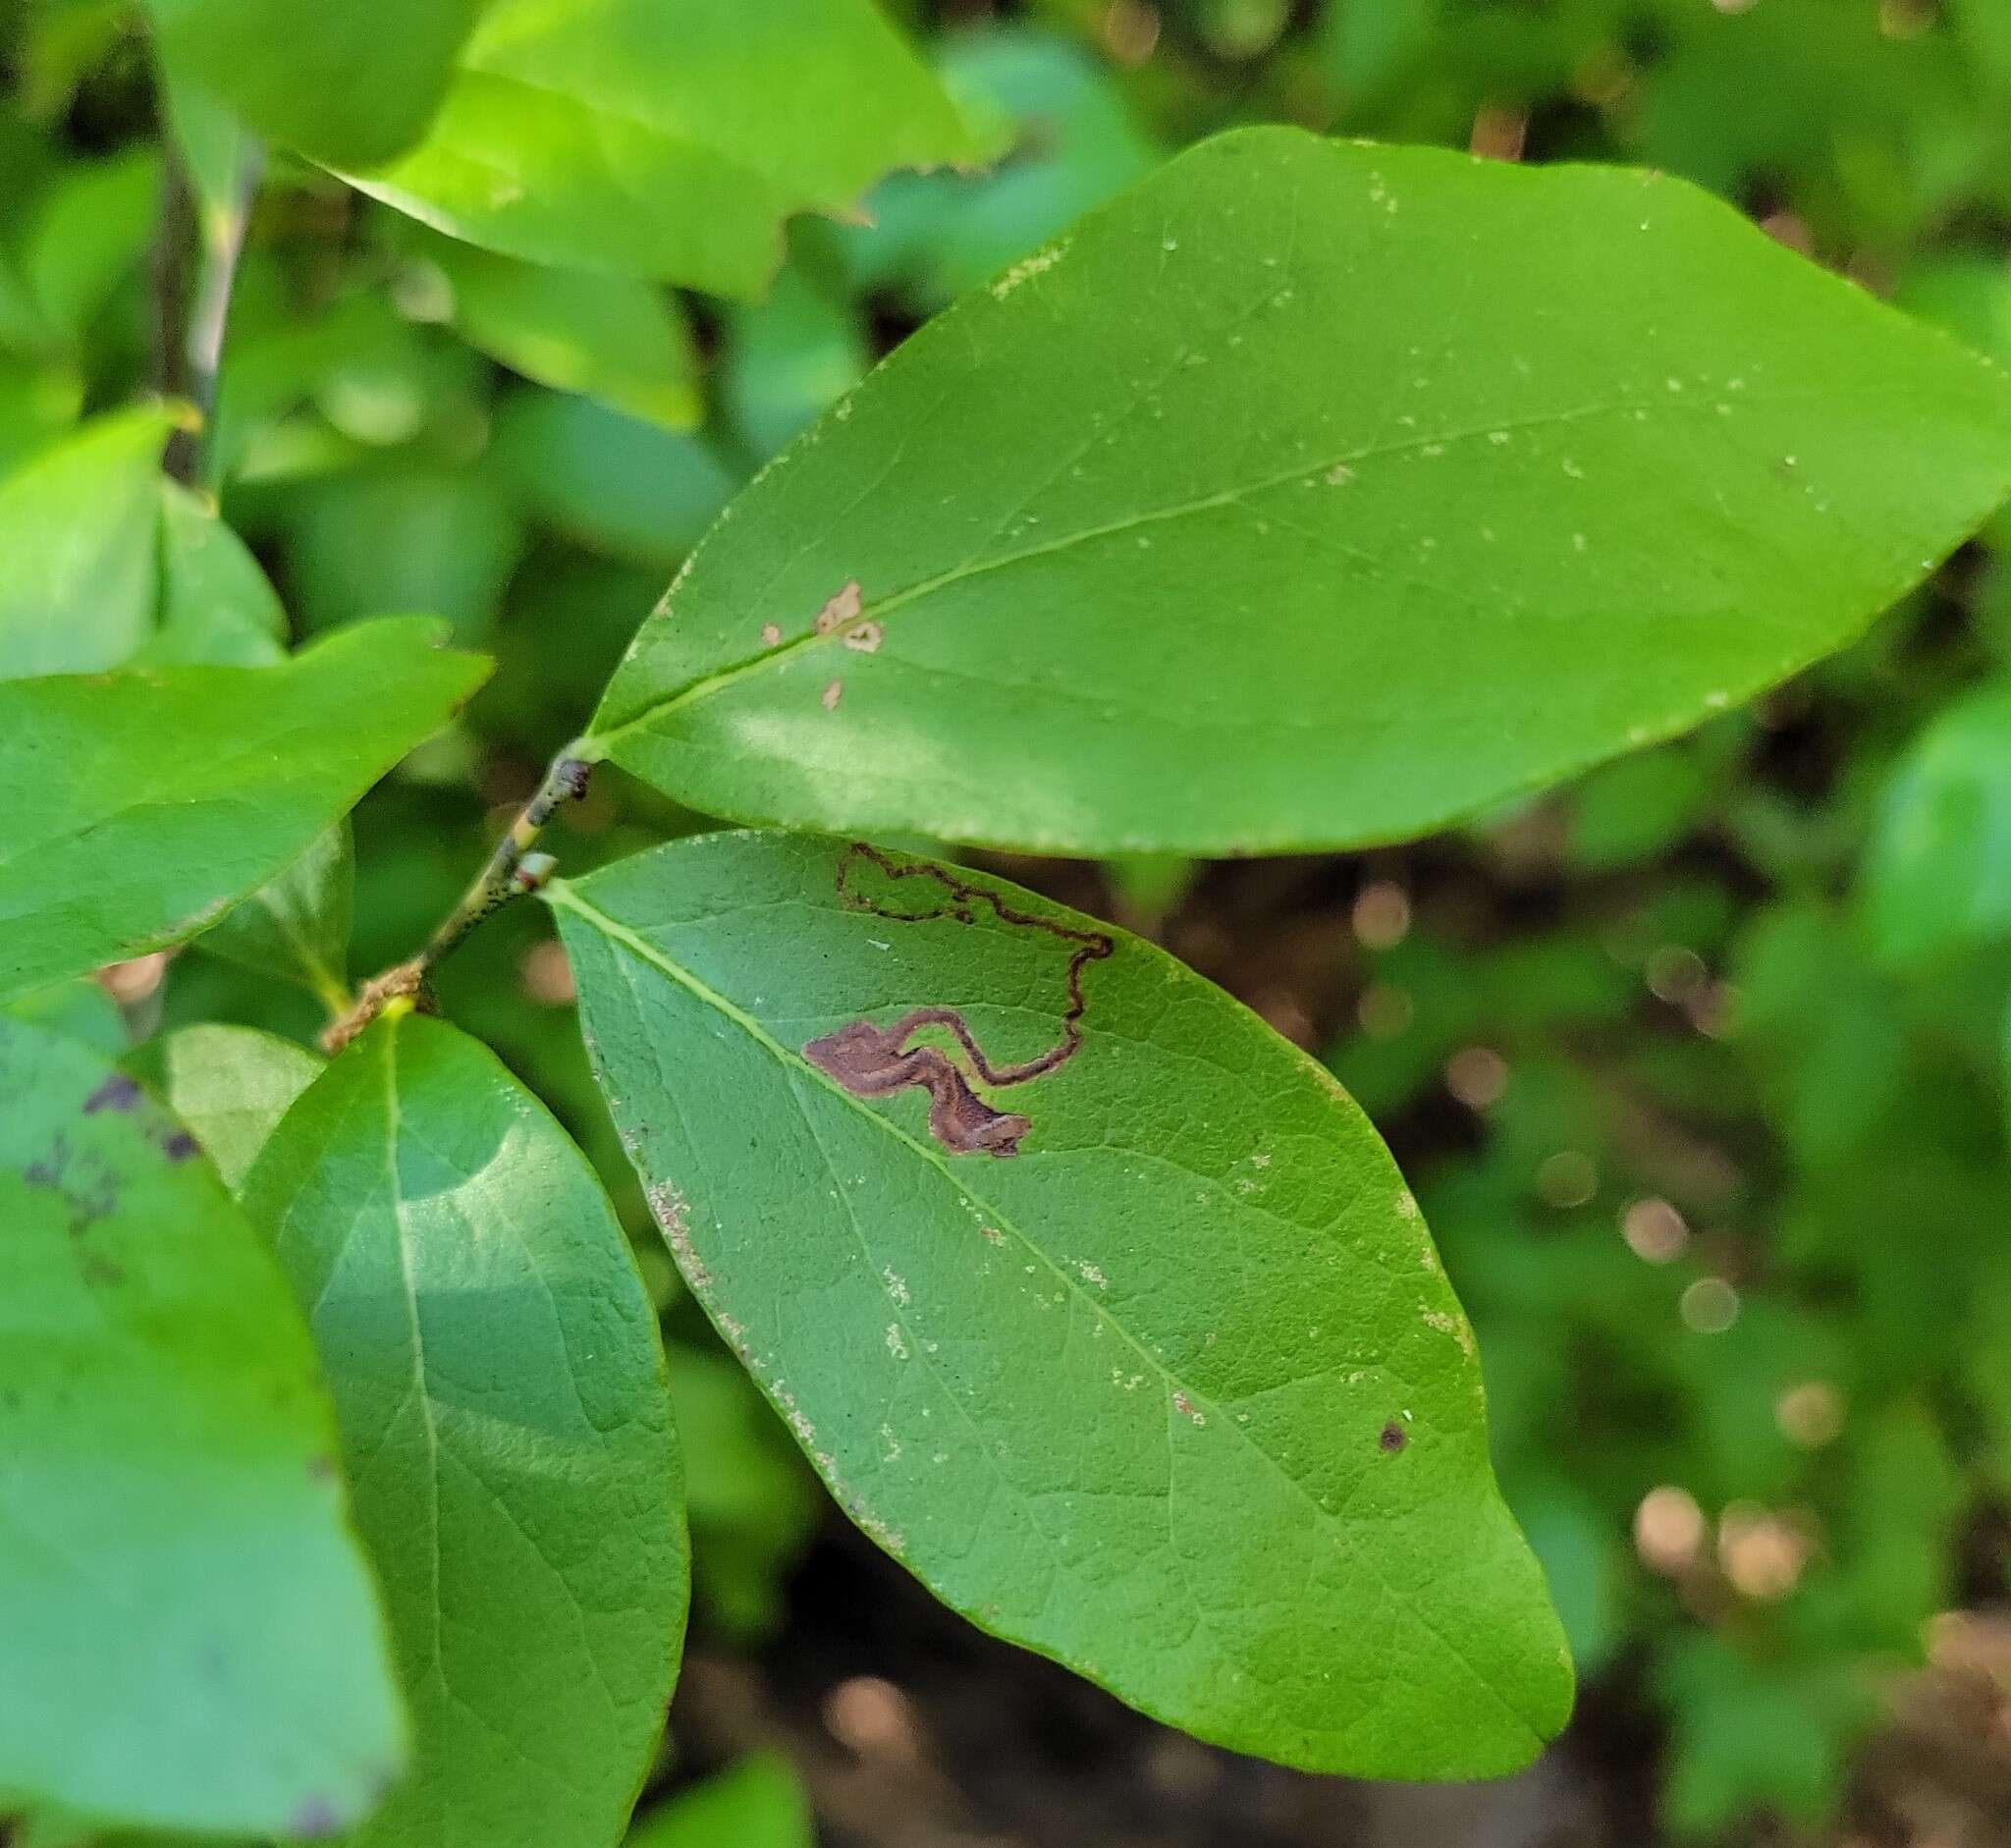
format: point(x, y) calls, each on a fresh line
point(877, 1061)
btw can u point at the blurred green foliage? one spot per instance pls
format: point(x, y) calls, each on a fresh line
point(1700, 1066)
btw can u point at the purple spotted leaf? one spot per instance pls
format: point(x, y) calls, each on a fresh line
point(189, 1635)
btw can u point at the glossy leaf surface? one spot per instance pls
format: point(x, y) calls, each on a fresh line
point(1178, 1393)
point(345, 81)
point(496, 1368)
point(615, 338)
point(1171, 538)
point(670, 139)
point(230, 1085)
point(136, 806)
point(216, 605)
point(296, 927)
point(77, 527)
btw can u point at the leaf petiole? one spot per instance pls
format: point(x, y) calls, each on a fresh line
point(511, 870)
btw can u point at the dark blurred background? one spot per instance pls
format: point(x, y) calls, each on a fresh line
point(1699, 1066)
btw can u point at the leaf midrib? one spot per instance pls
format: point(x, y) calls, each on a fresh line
point(703, 688)
point(393, 1119)
point(563, 894)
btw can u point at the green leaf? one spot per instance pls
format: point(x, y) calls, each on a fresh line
point(1938, 872)
point(758, 1803)
point(1075, 143)
point(1171, 538)
point(350, 82)
point(296, 927)
point(409, 538)
point(615, 338)
point(136, 806)
point(78, 529)
point(669, 138)
point(613, 482)
point(216, 605)
point(789, 359)
point(112, 563)
point(89, 231)
point(1753, 1735)
point(1180, 1397)
point(1640, 805)
point(78, 1011)
point(39, 401)
point(230, 1085)
point(500, 1384)
point(188, 1635)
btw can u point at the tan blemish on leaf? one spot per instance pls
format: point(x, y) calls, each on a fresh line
point(1188, 1409)
point(831, 696)
point(806, 1432)
point(842, 611)
point(771, 634)
point(1459, 1329)
point(673, 1214)
point(864, 638)
point(895, 1345)
point(870, 1524)
point(1029, 266)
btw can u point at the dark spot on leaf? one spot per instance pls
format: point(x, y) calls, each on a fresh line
point(117, 1093)
point(1393, 1437)
point(89, 1196)
point(877, 1061)
point(315, 1820)
point(180, 1146)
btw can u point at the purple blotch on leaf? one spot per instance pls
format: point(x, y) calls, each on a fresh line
point(314, 1820)
point(877, 1061)
point(117, 1093)
point(869, 1063)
